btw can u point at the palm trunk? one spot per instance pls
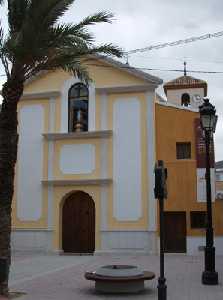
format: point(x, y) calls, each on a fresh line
point(11, 92)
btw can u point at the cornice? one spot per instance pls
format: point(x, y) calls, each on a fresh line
point(97, 181)
point(43, 95)
point(78, 135)
point(125, 89)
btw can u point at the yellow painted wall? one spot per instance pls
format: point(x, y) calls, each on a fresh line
point(177, 125)
point(101, 74)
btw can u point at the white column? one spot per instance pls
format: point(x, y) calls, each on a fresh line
point(91, 108)
point(104, 111)
point(52, 112)
point(151, 157)
point(104, 208)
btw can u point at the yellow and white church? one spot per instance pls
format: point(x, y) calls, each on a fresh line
point(85, 171)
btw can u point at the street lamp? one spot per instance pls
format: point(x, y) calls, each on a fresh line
point(160, 193)
point(208, 119)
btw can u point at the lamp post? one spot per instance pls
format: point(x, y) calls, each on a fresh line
point(160, 192)
point(208, 119)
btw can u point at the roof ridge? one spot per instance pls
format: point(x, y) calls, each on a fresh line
point(129, 69)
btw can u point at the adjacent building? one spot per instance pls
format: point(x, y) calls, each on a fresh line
point(219, 170)
point(219, 179)
point(179, 142)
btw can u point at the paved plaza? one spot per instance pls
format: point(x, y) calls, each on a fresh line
point(43, 277)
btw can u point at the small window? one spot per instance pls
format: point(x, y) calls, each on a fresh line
point(185, 99)
point(183, 150)
point(198, 219)
point(78, 108)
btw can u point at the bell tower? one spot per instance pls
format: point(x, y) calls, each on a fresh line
point(186, 90)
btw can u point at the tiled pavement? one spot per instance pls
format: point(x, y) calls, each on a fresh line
point(44, 277)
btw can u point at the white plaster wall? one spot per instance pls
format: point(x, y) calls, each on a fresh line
point(126, 160)
point(193, 244)
point(174, 96)
point(32, 240)
point(64, 104)
point(104, 207)
point(77, 159)
point(30, 159)
point(128, 241)
point(201, 185)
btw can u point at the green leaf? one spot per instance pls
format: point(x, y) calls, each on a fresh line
point(37, 42)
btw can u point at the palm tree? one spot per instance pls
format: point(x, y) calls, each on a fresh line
point(35, 42)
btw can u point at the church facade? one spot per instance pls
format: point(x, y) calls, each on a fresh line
point(84, 178)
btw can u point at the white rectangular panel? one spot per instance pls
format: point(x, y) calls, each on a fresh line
point(77, 159)
point(127, 160)
point(30, 160)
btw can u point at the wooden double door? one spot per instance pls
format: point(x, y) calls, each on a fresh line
point(175, 232)
point(78, 224)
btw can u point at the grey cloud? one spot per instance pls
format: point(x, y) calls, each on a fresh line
point(147, 22)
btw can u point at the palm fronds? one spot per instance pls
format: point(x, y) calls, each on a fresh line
point(37, 41)
point(17, 12)
point(3, 53)
point(100, 17)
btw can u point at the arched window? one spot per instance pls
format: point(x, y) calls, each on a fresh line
point(185, 99)
point(78, 108)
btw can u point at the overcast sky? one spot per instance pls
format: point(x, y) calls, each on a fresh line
point(143, 23)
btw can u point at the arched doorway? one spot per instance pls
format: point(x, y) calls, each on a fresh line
point(78, 223)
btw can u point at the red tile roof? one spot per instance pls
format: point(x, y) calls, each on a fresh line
point(185, 82)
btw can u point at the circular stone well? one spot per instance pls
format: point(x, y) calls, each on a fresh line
point(119, 278)
point(119, 271)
